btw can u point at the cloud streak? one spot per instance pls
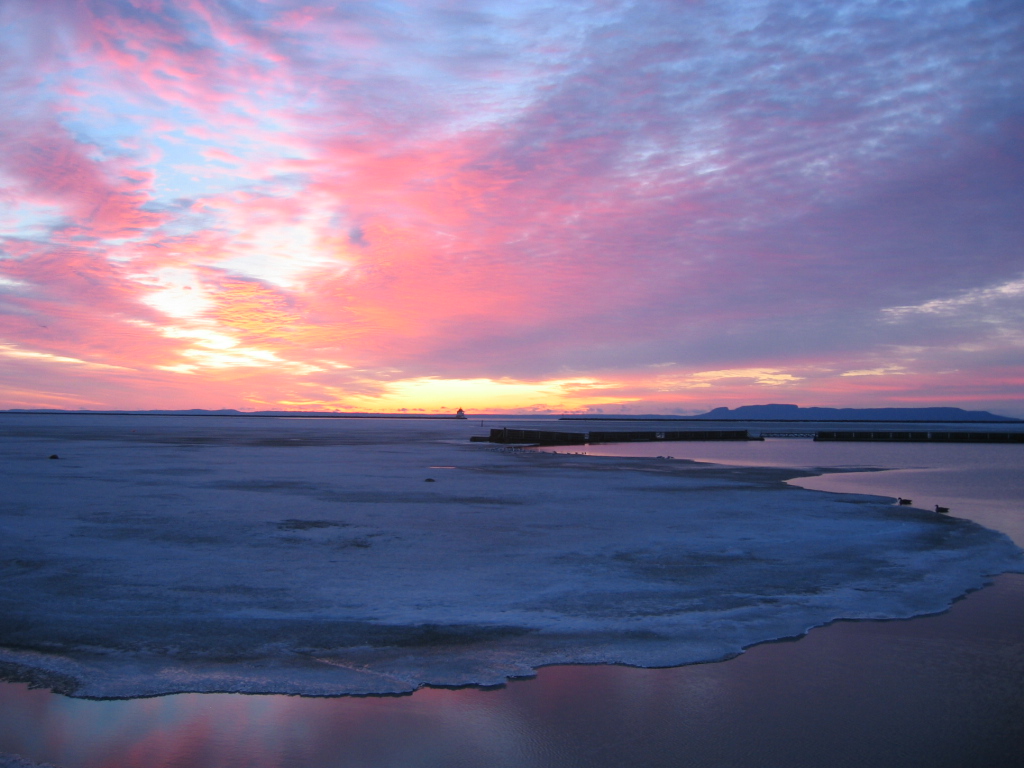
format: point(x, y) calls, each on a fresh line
point(681, 205)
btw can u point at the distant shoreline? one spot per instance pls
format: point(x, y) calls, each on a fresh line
point(277, 415)
point(500, 416)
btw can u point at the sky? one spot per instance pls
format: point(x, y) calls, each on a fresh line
point(564, 206)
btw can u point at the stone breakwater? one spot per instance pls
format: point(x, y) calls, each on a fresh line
point(314, 558)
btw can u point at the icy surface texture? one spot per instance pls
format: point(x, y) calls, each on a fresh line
point(16, 761)
point(167, 554)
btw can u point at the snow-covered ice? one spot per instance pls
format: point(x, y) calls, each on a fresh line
point(16, 761)
point(167, 554)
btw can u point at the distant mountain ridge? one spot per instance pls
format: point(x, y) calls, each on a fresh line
point(787, 412)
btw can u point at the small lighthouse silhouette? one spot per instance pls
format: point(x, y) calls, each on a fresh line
point(460, 414)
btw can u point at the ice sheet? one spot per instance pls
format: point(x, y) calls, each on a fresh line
point(169, 554)
point(16, 761)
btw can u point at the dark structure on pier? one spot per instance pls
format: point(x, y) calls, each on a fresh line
point(537, 437)
point(543, 437)
point(650, 437)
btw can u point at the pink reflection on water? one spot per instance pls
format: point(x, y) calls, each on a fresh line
point(937, 691)
point(980, 482)
point(225, 730)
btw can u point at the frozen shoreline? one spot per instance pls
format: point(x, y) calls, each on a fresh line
point(314, 559)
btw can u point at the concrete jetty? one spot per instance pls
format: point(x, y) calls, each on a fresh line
point(545, 437)
point(506, 435)
point(920, 436)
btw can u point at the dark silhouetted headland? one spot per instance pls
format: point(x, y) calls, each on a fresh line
point(785, 412)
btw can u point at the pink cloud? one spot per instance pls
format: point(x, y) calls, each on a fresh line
point(49, 166)
point(75, 303)
point(222, 155)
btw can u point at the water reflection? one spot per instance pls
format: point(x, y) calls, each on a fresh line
point(984, 483)
point(936, 691)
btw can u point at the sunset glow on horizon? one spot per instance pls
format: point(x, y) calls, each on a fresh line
point(622, 207)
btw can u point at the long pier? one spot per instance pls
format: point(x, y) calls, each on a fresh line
point(920, 437)
point(506, 435)
point(544, 437)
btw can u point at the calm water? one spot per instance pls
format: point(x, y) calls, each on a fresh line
point(945, 690)
point(984, 483)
